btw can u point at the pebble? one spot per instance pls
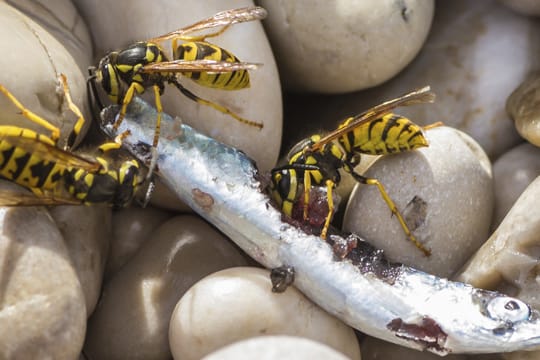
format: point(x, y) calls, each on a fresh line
point(132, 317)
point(508, 261)
point(337, 48)
point(131, 228)
point(512, 173)
point(453, 180)
point(87, 233)
point(276, 347)
point(62, 20)
point(522, 106)
point(375, 349)
point(524, 7)
point(116, 28)
point(35, 59)
point(471, 83)
point(236, 304)
point(43, 312)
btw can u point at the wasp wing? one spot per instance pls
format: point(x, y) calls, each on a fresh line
point(418, 96)
point(50, 153)
point(211, 66)
point(25, 198)
point(224, 18)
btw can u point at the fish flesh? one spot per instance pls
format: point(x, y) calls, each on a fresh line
point(386, 300)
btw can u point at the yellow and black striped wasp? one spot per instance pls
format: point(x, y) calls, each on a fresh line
point(315, 161)
point(58, 176)
point(144, 64)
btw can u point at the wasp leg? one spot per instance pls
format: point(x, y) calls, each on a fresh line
point(75, 109)
point(393, 208)
point(434, 125)
point(36, 119)
point(329, 188)
point(218, 107)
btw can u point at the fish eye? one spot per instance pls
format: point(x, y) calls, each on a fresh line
point(508, 309)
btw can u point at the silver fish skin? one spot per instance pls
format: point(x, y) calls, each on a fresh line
point(389, 301)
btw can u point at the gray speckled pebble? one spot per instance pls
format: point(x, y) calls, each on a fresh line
point(453, 177)
point(42, 307)
point(509, 260)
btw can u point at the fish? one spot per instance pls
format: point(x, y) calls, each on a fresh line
point(390, 301)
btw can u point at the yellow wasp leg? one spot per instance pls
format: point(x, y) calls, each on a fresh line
point(159, 109)
point(36, 119)
point(125, 102)
point(75, 109)
point(393, 208)
point(329, 197)
point(217, 107)
point(307, 188)
point(434, 125)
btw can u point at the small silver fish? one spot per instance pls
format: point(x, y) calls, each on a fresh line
point(389, 301)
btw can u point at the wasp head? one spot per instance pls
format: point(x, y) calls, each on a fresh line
point(107, 76)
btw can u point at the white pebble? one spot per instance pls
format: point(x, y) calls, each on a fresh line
point(453, 177)
point(331, 47)
point(237, 304)
point(276, 347)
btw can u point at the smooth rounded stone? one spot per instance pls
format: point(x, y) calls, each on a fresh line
point(87, 233)
point(375, 349)
point(522, 106)
point(470, 82)
point(132, 317)
point(522, 355)
point(508, 261)
point(326, 47)
point(43, 312)
point(112, 29)
point(524, 7)
point(276, 347)
point(166, 199)
point(131, 228)
point(237, 304)
point(512, 173)
point(445, 194)
point(35, 59)
point(62, 20)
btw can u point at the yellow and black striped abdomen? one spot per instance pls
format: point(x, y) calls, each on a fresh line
point(388, 134)
point(22, 160)
point(200, 50)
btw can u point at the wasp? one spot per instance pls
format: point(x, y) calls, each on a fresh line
point(315, 161)
point(144, 65)
point(58, 176)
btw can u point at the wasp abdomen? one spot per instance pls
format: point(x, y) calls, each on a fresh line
point(388, 134)
point(200, 50)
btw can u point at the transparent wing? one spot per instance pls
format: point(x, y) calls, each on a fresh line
point(182, 66)
point(418, 96)
point(24, 198)
point(224, 18)
point(51, 153)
